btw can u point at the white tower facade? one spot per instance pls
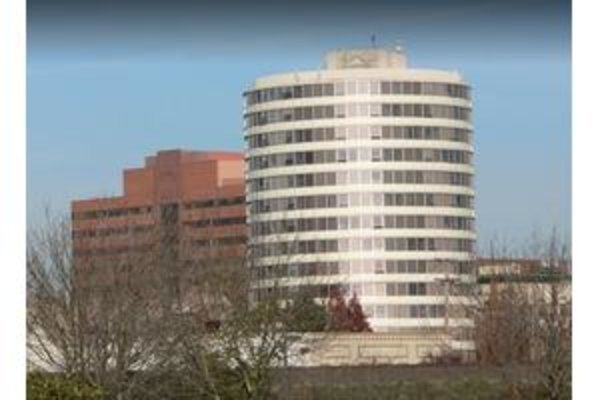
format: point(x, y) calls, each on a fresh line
point(360, 177)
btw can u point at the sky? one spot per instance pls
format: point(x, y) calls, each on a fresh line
point(109, 82)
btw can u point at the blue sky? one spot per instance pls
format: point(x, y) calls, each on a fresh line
point(110, 85)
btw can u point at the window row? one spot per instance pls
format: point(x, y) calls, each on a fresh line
point(428, 244)
point(361, 222)
point(361, 200)
point(429, 267)
point(120, 212)
point(216, 202)
point(428, 199)
point(371, 310)
point(110, 231)
point(291, 292)
point(128, 249)
point(430, 177)
point(364, 266)
point(459, 333)
point(352, 87)
point(324, 291)
point(406, 311)
point(111, 213)
point(416, 311)
point(358, 132)
point(397, 289)
point(227, 240)
point(361, 244)
point(359, 155)
point(359, 177)
point(217, 221)
point(351, 110)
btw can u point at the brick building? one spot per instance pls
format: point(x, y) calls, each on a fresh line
point(180, 205)
point(496, 267)
point(533, 277)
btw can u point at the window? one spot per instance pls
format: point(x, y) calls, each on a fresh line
point(363, 110)
point(365, 155)
point(376, 130)
point(342, 200)
point(351, 87)
point(374, 87)
point(339, 88)
point(343, 244)
point(351, 110)
point(352, 154)
point(363, 87)
point(376, 154)
point(386, 87)
point(416, 288)
point(378, 222)
point(293, 270)
point(378, 197)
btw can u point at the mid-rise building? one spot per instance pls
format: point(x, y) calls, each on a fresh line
point(360, 177)
point(532, 278)
point(508, 267)
point(179, 205)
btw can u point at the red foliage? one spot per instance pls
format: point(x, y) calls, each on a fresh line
point(346, 316)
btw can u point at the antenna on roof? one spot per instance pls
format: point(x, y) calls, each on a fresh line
point(373, 41)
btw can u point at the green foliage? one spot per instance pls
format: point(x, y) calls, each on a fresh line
point(46, 386)
point(306, 315)
point(236, 360)
point(467, 389)
point(543, 276)
point(232, 382)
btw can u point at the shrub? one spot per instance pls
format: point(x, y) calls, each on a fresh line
point(46, 386)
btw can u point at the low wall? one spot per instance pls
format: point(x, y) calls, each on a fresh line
point(340, 349)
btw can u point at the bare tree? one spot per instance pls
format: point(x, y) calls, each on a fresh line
point(90, 315)
point(225, 342)
point(161, 315)
point(524, 316)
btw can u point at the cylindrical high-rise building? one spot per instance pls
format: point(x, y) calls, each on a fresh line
point(360, 177)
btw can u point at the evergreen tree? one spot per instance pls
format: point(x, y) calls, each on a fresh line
point(306, 315)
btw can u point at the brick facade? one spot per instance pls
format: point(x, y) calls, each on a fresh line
point(184, 204)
